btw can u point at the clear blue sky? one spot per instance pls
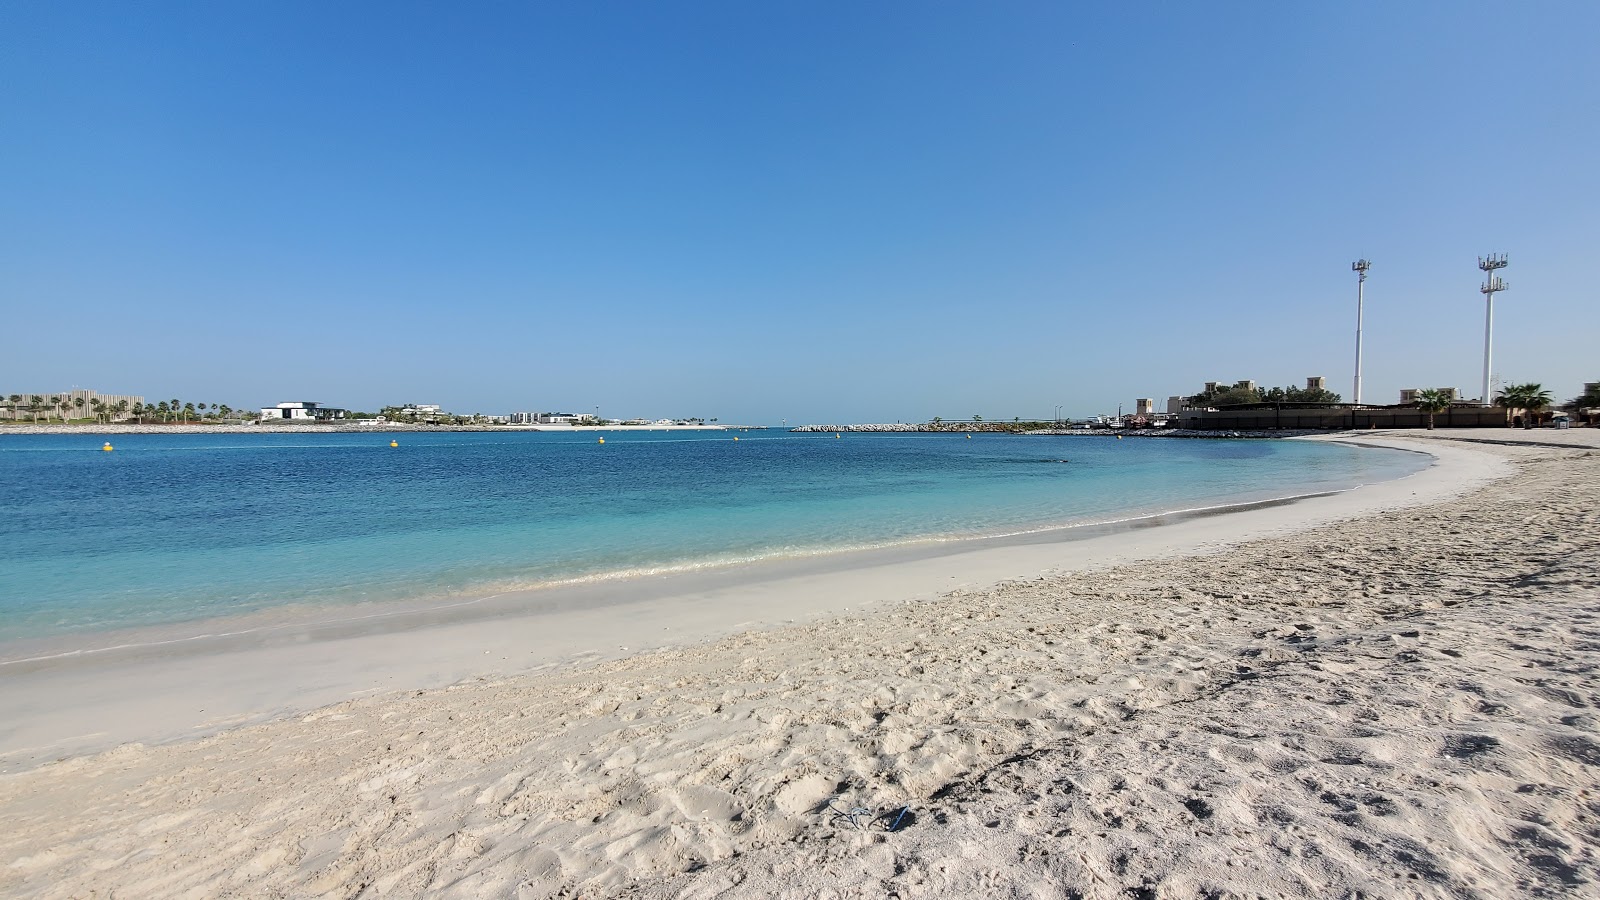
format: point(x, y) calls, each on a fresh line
point(811, 211)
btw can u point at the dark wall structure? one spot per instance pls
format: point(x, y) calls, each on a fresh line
point(1256, 417)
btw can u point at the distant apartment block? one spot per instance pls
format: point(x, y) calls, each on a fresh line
point(1143, 406)
point(1213, 387)
point(523, 418)
point(300, 411)
point(559, 418)
point(1409, 395)
point(51, 403)
point(1315, 383)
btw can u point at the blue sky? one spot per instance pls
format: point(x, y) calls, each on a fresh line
point(819, 211)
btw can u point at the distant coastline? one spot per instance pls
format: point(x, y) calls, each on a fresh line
point(347, 427)
point(1043, 429)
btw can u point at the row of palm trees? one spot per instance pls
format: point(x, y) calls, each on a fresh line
point(63, 405)
point(175, 410)
point(168, 410)
point(1531, 398)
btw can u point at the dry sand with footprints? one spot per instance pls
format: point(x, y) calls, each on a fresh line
point(1403, 703)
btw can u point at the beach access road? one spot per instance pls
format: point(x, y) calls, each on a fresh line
point(1393, 695)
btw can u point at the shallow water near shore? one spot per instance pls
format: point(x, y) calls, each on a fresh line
point(174, 528)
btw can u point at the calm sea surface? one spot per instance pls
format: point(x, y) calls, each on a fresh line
point(174, 528)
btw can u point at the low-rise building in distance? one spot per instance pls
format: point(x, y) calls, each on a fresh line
point(300, 411)
point(75, 404)
point(1409, 395)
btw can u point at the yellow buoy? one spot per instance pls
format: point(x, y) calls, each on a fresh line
point(394, 443)
point(107, 447)
point(602, 440)
point(969, 437)
point(736, 438)
point(836, 435)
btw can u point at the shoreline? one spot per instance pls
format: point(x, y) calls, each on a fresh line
point(175, 683)
point(1357, 693)
point(311, 619)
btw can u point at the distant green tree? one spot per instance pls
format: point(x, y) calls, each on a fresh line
point(77, 403)
point(188, 410)
point(1236, 396)
point(977, 418)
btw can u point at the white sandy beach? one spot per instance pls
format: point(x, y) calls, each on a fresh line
point(1386, 692)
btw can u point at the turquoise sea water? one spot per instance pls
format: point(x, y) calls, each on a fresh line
point(174, 528)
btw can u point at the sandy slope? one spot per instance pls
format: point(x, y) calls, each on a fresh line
point(1400, 705)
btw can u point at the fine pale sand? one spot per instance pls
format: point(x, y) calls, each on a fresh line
point(1390, 692)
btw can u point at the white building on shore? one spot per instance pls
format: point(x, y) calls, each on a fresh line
point(300, 411)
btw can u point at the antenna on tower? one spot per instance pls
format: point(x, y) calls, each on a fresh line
point(1491, 285)
point(1359, 267)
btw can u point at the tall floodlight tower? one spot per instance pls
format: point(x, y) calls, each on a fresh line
point(1491, 285)
point(1359, 267)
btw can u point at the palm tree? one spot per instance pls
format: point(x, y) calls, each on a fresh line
point(14, 401)
point(1535, 399)
point(188, 410)
point(77, 403)
point(977, 418)
point(1432, 401)
point(35, 406)
point(1510, 398)
point(121, 408)
point(174, 405)
point(937, 420)
point(226, 410)
point(97, 406)
point(163, 408)
point(1531, 398)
